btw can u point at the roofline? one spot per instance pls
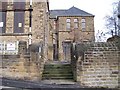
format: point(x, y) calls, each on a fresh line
point(70, 16)
point(77, 16)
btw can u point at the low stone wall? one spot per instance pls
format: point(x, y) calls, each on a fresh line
point(97, 64)
point(13, 67)
point(25, 66)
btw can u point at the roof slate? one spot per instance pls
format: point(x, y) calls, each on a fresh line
point(73, 11)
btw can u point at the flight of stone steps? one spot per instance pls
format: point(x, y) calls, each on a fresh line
point(57, 71)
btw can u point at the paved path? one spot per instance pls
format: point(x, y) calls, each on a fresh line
point(10, 84)
point(42, 84)
point(60, 82)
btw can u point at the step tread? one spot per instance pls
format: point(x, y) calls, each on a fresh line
point(57, 71)
point(47, 72)
point(58, 66)
point(58, 74)
point(57, 78)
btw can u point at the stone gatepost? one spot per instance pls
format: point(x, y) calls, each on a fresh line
point(22, 47)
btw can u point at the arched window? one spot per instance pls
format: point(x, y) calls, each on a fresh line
point(76, 23)
point(83, 22)
point(68, 21)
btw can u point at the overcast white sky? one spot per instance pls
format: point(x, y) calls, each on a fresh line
point(99, 8)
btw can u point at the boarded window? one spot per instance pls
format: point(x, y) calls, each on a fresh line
point(19, 16)
point(3, 5)
point(2, 22)
point(18, 22)
point(19, 4)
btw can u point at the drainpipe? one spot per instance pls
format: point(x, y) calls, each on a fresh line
point(30, 24)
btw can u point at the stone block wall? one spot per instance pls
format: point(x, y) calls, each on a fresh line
point(27, 67)
point(97, 65)
point(13, 67)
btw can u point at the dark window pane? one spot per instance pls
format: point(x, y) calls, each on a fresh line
point(19, 16)
point(19, 22)
point(3, 5)
point(19, 4)
point(2, 22)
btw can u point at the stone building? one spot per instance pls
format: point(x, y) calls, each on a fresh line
point(23, 23)
point(24, 20)
point(68, 26)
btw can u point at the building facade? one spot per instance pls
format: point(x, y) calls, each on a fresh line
point(69, 26)
point(24, 20)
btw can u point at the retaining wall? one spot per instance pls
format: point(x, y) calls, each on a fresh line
point(97, 64)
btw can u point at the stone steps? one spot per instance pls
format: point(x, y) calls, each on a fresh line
point(57, 71)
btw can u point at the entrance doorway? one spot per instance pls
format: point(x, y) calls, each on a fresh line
point(67, 50)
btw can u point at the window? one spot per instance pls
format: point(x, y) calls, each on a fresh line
point(68, 24)
point(19, 4)
point(76, 23)
point(83, 24)
point(3, 5)
point(19, 22)
point(19, 16)
point(1, 46)
point(2, 22)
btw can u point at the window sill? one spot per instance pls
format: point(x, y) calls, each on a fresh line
point(15, 34)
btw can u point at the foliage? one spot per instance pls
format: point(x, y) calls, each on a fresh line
point(100, 36)
point(112, 20)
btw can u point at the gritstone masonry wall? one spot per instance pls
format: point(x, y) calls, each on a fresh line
point(98, 65)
